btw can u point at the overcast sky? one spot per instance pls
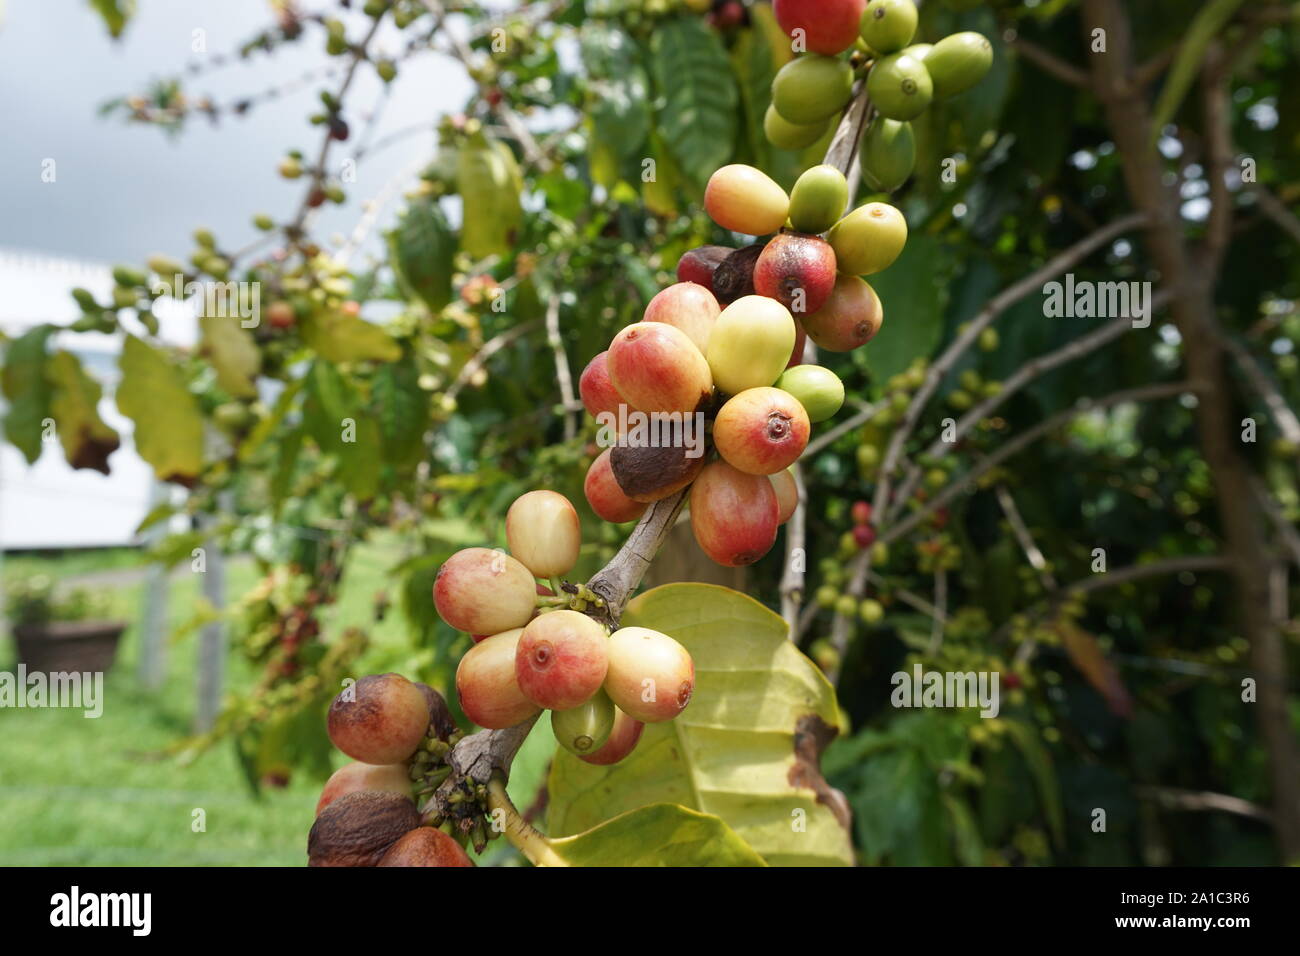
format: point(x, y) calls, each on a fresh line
point(125, 191)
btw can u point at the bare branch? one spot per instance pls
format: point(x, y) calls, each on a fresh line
point(1051, 63)
point(562, 371)
point(1274, 209)
point(1285, 529)
point(1026, 540)
point(1281, 412)
point(490, 348)
point(616, 581)
point(1174, 798)
point(864, 415)
point(792, 578)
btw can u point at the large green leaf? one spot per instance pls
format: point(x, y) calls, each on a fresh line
point(619, 89)
point(910, 291)
point(694, 84)
point(745, 749)
point(342, 337)
point(168, 424)
point(87, 441)
point(422, 248)
point(660, 835)
point(401, 408)
point(27, 391)
point(1040, 765)
point(233, 354)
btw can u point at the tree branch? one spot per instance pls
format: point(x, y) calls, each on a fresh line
point(1067, 73)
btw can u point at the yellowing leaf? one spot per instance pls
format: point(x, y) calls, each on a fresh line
point(1086, 655)
point(168, 425)
point(233, 354)
point(745, 749)
point(87, 441)
point(341, 337)
point(660, 835)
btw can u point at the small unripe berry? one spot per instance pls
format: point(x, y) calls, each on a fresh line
point(651, 676)
point(561, 659)
point(861, 512)
point(846, 605)
point(584, 729)
point(864, 535)
point(544, 533)
point(746, 200)
point(826, 596)
point(871, 611)
point(622, 741)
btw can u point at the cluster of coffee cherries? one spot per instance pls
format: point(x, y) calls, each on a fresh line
point(726, 345)
point(903, 78)
point(535, 647)
point(399, 734)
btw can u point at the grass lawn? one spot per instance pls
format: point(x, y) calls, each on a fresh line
point(78, 791)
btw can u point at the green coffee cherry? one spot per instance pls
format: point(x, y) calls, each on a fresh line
point(783, 134)
point(888, 25)
point(958, 62)
point(818, 389)
point(871, 611)
point(846, 605)
point(826, 596)
point(818, 199)
point(585, 728)
point(888, 154)
point(812, 88)
point(900, 86)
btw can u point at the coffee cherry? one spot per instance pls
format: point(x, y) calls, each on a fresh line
point(861, 512)
point(481, 591)
point(787, 494)
point(688, 307)
point(734, 515)
point(900, 86)
point(888, 154)
point(698, 265)
point(958, 62)
point(358, 828)
point(561, 659)
point(354, 777)
point(651, 676)
point(818, 199)
point(543, 533)
point(798, 271)
point(751, 343)
point(864, 535)
point(747, 200)
point(622, 741)
point(761, 430)
point(380, 719)
point(648, 474)
point(584, 729)
point(817, 389)
point(846, 605)
point(871, 611)
point(829, 26)
point(606, 498)
point(426, 846)
point(280, 315)
point(441, 723)
point(811, 89)
point(657, 368)
point(888, 25)
point(486, 684)
point(783, 134)
point(826, 596)
point(868, 239)
point(800, 344)
point(598, 393)
point(850, 318)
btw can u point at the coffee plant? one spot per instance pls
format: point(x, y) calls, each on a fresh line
point(709, 208)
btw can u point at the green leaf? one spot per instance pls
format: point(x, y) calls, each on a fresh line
point(1040, 765)
point(74, 406)
point(27, 391)
point(360, 459)
point(618, 88)
point(115, 13)
point(401, 408)
point(1205, 26)
point(695, 86)
point(745, 749)
point(663, 834)
point(970, 846)
point(421, 249)
point(910, 291)
point(268, 425)
point(168, 425)
point(233, 354)
point(489, 183)
point(341, 337)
